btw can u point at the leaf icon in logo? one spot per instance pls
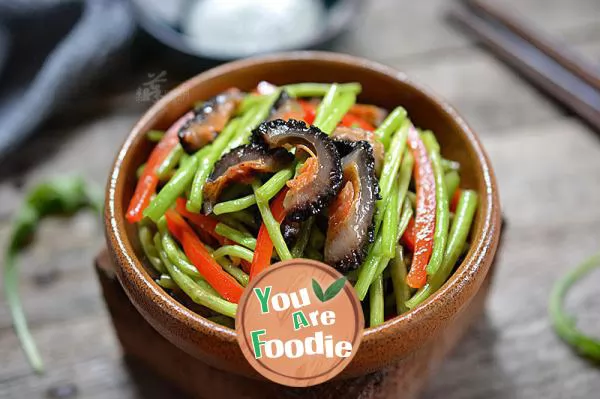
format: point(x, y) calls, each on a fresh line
point(330, 292)
point(334, 289)
point(318, 290)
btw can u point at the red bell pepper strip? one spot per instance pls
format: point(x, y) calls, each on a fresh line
point(455, 199)
point(310, 111)
point(208, 225)
point(264, 246)
point(146, 185)
point(408, 238)
point(351, 120)
point(371, 114)
point(205, 223)
point(425, 211)
point(222, 282)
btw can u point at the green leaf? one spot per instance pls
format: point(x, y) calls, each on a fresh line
point(318, 290)
point(334, 288)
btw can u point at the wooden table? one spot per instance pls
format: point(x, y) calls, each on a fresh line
point(546, 161)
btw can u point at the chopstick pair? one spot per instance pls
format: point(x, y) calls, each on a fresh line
point(546, 63)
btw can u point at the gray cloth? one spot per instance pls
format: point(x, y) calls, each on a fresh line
point(49, 49)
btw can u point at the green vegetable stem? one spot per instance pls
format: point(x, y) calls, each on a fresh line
point(59, 196)
point(564, 325)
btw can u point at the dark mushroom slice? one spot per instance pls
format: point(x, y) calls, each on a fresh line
point(209, 119)
point(241, 165)
point(344, 147)
point(290, 231)
point(350, 228)
point(319, 178)
point(286, 107)
point(358, 134)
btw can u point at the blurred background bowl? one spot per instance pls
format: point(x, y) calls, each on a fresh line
point(204, 33)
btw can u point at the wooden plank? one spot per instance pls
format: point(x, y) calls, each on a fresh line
point(87, 149)
point(550, 191)
point(489, 95)
point(391, 29)
point(504, 100)
point(547, 174)
point(55, 281)
point(87, 358)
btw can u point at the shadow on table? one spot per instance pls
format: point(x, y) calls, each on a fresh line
point(472, 370)
point(148, 384)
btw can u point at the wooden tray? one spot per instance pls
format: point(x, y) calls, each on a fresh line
point(145, 346)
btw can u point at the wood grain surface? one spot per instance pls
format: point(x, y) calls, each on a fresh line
point(548, 168)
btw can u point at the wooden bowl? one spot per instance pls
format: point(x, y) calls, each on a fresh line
point(413, 337)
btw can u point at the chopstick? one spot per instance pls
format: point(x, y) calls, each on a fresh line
point(554, 49)
point(559, 82)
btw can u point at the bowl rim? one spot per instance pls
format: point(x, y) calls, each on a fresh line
point(454, 290)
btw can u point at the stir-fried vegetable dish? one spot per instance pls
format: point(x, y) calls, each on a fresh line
point(244, 180)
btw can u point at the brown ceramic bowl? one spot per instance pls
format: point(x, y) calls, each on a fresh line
point(419, 337)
